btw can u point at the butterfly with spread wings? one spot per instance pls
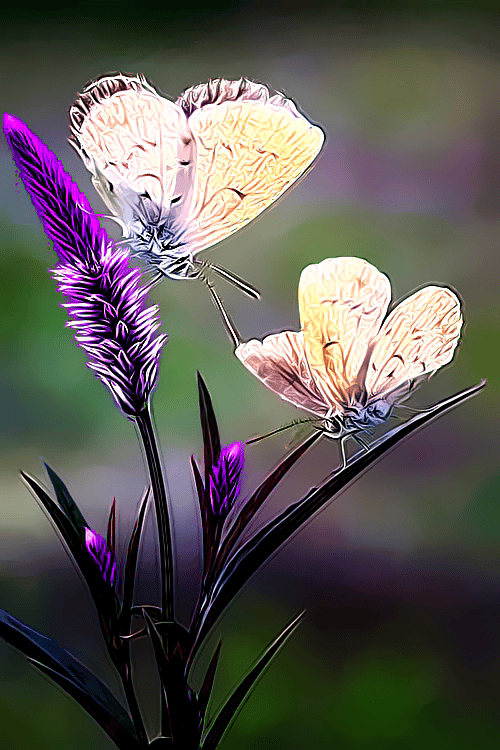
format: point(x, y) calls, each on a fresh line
point(351, 362)
point(182, 176)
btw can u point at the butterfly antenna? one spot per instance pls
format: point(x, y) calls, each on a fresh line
point(231, 331)
point(238, 282)
point(280, 429)
point(154, 281)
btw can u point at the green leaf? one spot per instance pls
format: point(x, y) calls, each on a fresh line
point(256, 500)
point(254, 553)
point(111, 532)
point(129, 572)
point(66, 502)
point(230, 708)
point(78, 681)
point(208, 683)
point(211, 438)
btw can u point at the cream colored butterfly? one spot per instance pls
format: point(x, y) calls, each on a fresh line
point(351, 362)
point(180, 177)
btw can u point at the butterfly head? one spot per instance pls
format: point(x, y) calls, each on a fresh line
point(356, 417)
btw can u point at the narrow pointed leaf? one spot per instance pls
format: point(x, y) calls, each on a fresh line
point(71, 534)
point(235, 701)
point(208, 682)
point(207, 517)
point(130, 570)
point(65, 500)
point(105, 598)
point(111, 535)
point(211, 438)
point(122, 737)
point(254, 553)
point(256, 500)
point(73, 676)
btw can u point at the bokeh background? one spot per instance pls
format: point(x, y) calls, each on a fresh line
point(401, 575)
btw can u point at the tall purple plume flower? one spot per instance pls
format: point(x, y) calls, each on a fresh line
point(102, 556)
point(225, 479)
point(106, 303)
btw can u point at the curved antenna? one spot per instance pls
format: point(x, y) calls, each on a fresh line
point(233, 279)
point(154, 281)
point(281, 429)
point(231, 330)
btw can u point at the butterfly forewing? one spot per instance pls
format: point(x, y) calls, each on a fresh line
point(342, 302)
point(135, 143)
point(418, 337)
point(279, 361)
point(250, 149)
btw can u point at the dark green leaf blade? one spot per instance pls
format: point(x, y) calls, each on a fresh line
point(131, 562)
point(208, 682)
point(88, 690)
point(229, 710)
point(66, 502)
point(111, 532)
point(243, 564)
point(119, 734)
point(260, 495)
point(67, 529)
point(210, 430)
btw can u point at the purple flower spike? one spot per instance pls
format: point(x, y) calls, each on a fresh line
point(225, 479)
point(102, 556)
point(106, 302)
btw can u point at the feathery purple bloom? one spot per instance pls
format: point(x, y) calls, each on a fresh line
point(102, 556)
point(225, 479)
point(106, 303)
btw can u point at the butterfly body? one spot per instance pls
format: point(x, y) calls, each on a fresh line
point(351, 362)
point(182, 176)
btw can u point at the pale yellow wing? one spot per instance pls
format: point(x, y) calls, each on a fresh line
point(279, 361)
point(135, 143)
point(250, 148)
point(342, 302)
point(417, 338)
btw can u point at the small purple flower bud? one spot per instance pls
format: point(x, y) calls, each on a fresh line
point(225, 479)
point(102, 556)
point(105, 300)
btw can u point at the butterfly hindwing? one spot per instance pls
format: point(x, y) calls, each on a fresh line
point(417, 338)
point(279, 361)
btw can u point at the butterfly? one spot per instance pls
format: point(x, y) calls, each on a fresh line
point(351, 362)
point(182, 176)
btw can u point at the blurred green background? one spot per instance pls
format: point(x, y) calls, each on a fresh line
point(401, 576)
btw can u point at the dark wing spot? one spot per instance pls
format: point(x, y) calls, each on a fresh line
point(176, 199)
point(238, 193)
point(184, 163)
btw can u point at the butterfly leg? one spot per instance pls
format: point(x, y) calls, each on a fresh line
point(234, 279)
point(342, 451)
point(361, 442)
point(231, 331)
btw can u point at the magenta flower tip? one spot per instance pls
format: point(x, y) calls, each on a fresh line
point(105, 299)
point(102, 556)
point(225, 478)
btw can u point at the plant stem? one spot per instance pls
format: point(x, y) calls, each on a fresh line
point(146, 431)
point(135, 711)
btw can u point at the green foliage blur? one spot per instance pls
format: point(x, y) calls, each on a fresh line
point(400, 577)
